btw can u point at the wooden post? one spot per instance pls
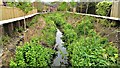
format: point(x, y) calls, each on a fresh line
point(115, 9)
point(1, 34)
point(1, 46)
point(8, 29)
point(74, 9)
point(16, 24)
point(22, 23)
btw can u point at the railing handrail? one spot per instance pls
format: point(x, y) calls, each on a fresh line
point(17, 19)
point(98, 16)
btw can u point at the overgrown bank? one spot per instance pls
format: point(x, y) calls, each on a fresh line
point(84, 45)
point(34, 53)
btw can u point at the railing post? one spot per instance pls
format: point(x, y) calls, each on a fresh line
point(1, 43)
point(22, 23)
point(115, 9)
point(8, 28)
point(16, 24)
point(1, 34)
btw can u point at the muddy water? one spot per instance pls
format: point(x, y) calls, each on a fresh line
point(61, 58)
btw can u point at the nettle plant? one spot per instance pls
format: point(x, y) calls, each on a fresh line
point(103, 8)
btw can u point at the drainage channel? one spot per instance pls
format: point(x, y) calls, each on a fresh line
point(61, 59)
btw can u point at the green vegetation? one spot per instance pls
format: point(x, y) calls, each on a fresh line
point(90, 48)
point(83, 27)
point(5, 39)
point(48, 33)
point(103, 8)
point(107, 23)
point(35, 53)
point(84, 45)
point(20, 29)
point(25, 6)
point(69, 34)
point(33, 21)
point(32, 54)
point(63, 6)
point(92, 51)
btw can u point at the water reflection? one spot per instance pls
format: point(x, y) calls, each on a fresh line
point(61, 58)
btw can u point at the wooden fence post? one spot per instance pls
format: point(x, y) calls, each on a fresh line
point(22, 23)
point(1, 46)
point(115, 9)
point(1, 34)
point(16, 24)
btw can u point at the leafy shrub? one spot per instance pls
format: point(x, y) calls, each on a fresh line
point(107, 23)
point(63, 6)
point(25, 6)
point(87, 48)
point(32, 54)
point(33, 21)
point(4, 39)
point(84, 26)
point(20, 29)
point(48, 33)
point(92, 51)
point(69, 36)
point(103, 8)
point(68, 32)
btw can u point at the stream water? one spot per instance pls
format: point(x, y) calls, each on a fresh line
point(61, 58)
